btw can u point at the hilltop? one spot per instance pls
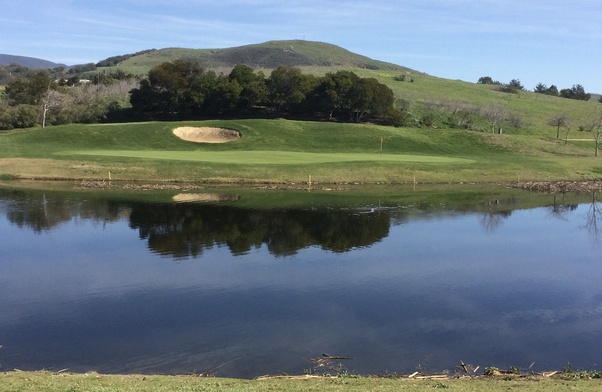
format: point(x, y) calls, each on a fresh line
point(29, 62)
point(267, 55)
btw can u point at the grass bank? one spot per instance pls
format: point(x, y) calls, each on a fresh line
point(284, 151)
point(51, 382)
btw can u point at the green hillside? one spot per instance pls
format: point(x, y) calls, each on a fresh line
point(266, 56)
point(432, 101)
point(526, 112)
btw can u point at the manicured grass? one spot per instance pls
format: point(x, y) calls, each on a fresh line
point(269, 157)
point(285, 151)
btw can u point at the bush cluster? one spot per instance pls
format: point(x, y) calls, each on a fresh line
point(39, 98)
point(183, 89)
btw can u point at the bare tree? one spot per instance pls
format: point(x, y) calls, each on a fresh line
point(461, 113)
point(568, 125)
point(597, 129)
point(494, 114)
point(50, 100)
point(559, 120)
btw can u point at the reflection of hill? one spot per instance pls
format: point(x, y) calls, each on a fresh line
point(185, 230)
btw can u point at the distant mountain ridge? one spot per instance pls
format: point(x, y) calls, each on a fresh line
point(29, 62)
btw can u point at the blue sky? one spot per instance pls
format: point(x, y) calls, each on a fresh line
point(552, 42)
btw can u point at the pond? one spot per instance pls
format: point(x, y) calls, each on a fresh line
point(246, 283)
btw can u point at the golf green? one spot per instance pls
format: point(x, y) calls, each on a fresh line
point(269, 157)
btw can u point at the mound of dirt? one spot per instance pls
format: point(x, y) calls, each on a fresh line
point(206, 134)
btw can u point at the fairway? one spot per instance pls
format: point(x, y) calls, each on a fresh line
point(268, 157)
point(287, 151)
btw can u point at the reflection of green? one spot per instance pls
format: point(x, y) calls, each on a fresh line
point(270, 157)
point(429, 197)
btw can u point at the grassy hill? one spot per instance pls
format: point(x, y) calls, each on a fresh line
point(429, 97)
point(29, 62)
point(265, 56)
point(528, 113)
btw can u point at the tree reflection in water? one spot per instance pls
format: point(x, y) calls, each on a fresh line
point(560, 208)
point(494, 215)
point(185, 230)
point(593, 215)
point(41, 213)
point(504, 281)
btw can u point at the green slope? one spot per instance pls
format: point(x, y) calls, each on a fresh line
point(528, 113)
point(267, 55)
point(285, 151)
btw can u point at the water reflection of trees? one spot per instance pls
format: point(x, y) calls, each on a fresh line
point(41, 213)
point(593, 216)
point(181, 230)
point(560, 208)
point(187, 229)
point(494, 214)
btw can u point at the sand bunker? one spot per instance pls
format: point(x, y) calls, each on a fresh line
point(206, 134)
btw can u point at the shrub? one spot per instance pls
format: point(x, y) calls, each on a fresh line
point(20, 116)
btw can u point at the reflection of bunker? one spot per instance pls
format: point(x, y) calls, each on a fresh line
point(206, 134)
point(203, 197)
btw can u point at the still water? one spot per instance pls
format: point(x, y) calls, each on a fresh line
point(247, 285)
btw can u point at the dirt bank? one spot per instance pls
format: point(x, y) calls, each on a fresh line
point(561, 186)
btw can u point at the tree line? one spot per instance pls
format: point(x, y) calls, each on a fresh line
point(183, 89)
point(575, 92)
point(48, 96)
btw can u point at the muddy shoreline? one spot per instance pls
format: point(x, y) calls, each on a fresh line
point(561, 186)
point(552, 187)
